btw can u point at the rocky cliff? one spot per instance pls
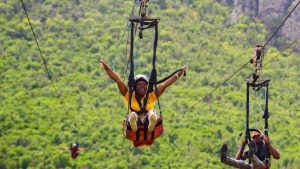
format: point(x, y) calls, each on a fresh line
point(271, 12)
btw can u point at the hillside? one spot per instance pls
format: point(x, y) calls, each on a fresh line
point(270, 12)
point(36, 124)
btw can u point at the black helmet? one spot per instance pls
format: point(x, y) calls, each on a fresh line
point(141, 77)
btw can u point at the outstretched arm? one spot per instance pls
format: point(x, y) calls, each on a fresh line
point(161, 88)
point(122, 87)
point(274, 152)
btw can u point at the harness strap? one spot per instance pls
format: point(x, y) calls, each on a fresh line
point(145, 131)
point(248, 137)
point(266, 112)
point(166, 78)
point(140, 104)
point(150, 25)
point(266, 117)
point(131, 82)
point(156, 94)
point(153, 76)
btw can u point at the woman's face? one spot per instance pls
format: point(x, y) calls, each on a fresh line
point(141, 87)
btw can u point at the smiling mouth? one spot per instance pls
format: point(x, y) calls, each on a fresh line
point(142, 91)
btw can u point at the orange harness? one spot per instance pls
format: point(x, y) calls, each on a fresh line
point(142, 137)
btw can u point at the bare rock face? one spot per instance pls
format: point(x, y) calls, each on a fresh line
point(244, 7)
point(271, 8)
point(291, 29)
point(271, 12)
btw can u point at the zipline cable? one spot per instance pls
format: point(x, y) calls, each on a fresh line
point(227, 79)
point(127, 65)
point(281, 25)
point(126, 69)
point(126, 28)
point(40, 51)
point(193, 106)
point(75, 130)
point(291, 44)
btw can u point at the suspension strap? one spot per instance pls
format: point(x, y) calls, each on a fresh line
point(248, 137)
point(266, 112)
point(266, 117)
point(256, 85)
point(166, 78)
point(153, 76)
point(131, 82)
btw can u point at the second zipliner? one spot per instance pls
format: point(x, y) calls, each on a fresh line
point(260, 148)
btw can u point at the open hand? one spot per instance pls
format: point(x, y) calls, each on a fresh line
point(103, 64)
point(183, 70)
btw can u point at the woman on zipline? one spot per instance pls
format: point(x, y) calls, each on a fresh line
point(137, 100)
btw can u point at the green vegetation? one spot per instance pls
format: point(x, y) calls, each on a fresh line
point(35, 125)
